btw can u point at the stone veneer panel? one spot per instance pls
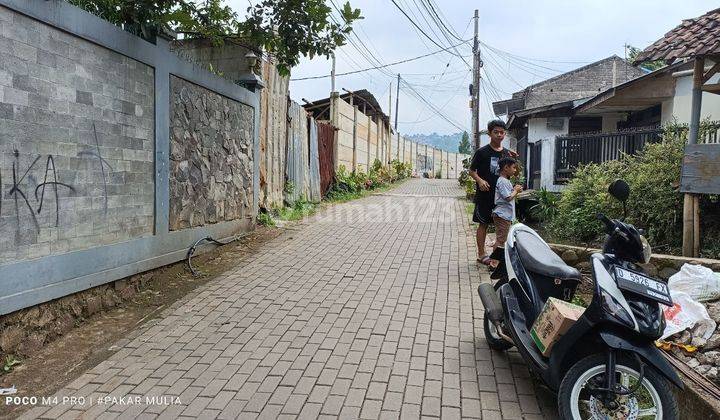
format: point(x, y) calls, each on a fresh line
point(211, 162)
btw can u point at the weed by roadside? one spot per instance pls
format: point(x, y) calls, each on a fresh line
point(297, 211)
point(347, 186)
point(266, 219)
point(9, 364)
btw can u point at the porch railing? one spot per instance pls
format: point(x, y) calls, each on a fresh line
point(710, 134)
point(579, 149)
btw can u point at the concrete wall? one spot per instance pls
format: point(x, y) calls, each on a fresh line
point(610, 121)
point(538, 131)
point(102, 209)
point(678, 108)
point(76, 142)
point(400, 147)
point(346, 126)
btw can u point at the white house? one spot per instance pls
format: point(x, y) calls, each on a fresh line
point(619, 118)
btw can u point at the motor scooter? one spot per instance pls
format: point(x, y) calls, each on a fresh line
point(606, 366)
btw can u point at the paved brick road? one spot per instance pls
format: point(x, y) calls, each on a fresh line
point(368, 310)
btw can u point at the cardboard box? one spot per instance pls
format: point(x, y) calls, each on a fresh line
point(555, 319)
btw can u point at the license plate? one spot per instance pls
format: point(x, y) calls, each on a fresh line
point(643, 285)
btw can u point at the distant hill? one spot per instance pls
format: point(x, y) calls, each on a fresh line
point(447, 142)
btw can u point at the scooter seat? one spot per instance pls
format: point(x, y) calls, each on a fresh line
point(538, 258)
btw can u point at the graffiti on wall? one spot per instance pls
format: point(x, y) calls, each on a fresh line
point(19, 194)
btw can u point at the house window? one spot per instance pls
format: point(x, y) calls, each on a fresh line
point(648, 117)
point(585, 125)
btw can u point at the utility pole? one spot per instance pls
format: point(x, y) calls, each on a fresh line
point(334, 97)
point(332, 75)
point(389, 131)
point(476, 88)
point(397, 101)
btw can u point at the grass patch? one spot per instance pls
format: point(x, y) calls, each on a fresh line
point(266, 219)
point(297, 211)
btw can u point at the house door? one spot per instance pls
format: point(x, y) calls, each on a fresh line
point(535, 150)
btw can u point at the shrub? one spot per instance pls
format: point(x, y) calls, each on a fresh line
point(346, 181)
point(402, 170)
point(350, 185)
point(655, 204)
point(467, 183)
point(584, 197)
point(547, 205)
point(297, 211)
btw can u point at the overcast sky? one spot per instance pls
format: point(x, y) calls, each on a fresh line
point(545, 38)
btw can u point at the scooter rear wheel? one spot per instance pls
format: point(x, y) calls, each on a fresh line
point(493, 339)
point(652, 400)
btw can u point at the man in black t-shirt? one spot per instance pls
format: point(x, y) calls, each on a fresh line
point(485, 171)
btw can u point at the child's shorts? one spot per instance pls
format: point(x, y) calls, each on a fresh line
point(502, 227)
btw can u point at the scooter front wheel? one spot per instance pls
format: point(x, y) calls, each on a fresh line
point(492, 337)
point(652, 399)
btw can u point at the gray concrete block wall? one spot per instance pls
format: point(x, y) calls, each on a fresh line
point(211, 157)
point(76, 142)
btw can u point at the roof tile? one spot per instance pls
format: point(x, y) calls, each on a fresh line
point(693, 37)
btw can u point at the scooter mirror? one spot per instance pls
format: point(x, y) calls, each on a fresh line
point(620, 190)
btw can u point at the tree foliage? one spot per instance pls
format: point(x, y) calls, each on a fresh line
point(464, 146)
point(632, 53)
point(288, 29)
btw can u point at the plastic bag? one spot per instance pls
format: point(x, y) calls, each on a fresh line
point(697, 281)
point(686, 313)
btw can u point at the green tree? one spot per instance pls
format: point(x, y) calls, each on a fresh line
point(632, 53)
point(464, 147)
point(288, 29)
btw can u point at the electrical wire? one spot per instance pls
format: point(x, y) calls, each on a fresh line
point(441, 21)
point(373, 68)
point(440, 28)
point(416, 25)
point(194, 246)
point(467, 73)
point(417, 95)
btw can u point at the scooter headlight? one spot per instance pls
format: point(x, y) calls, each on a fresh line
point(647, 251)
point(613, 307)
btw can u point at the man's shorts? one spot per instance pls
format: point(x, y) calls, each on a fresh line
point(483, 209)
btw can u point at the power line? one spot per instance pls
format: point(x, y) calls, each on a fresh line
point(490, 57)
point(417, 26)
point(443, 106)
point(377, 67)
point(532, 59)
point(441, 27)
point(440, 20)
point(417, 95)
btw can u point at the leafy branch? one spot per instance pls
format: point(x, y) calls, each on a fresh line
point(287, 29)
